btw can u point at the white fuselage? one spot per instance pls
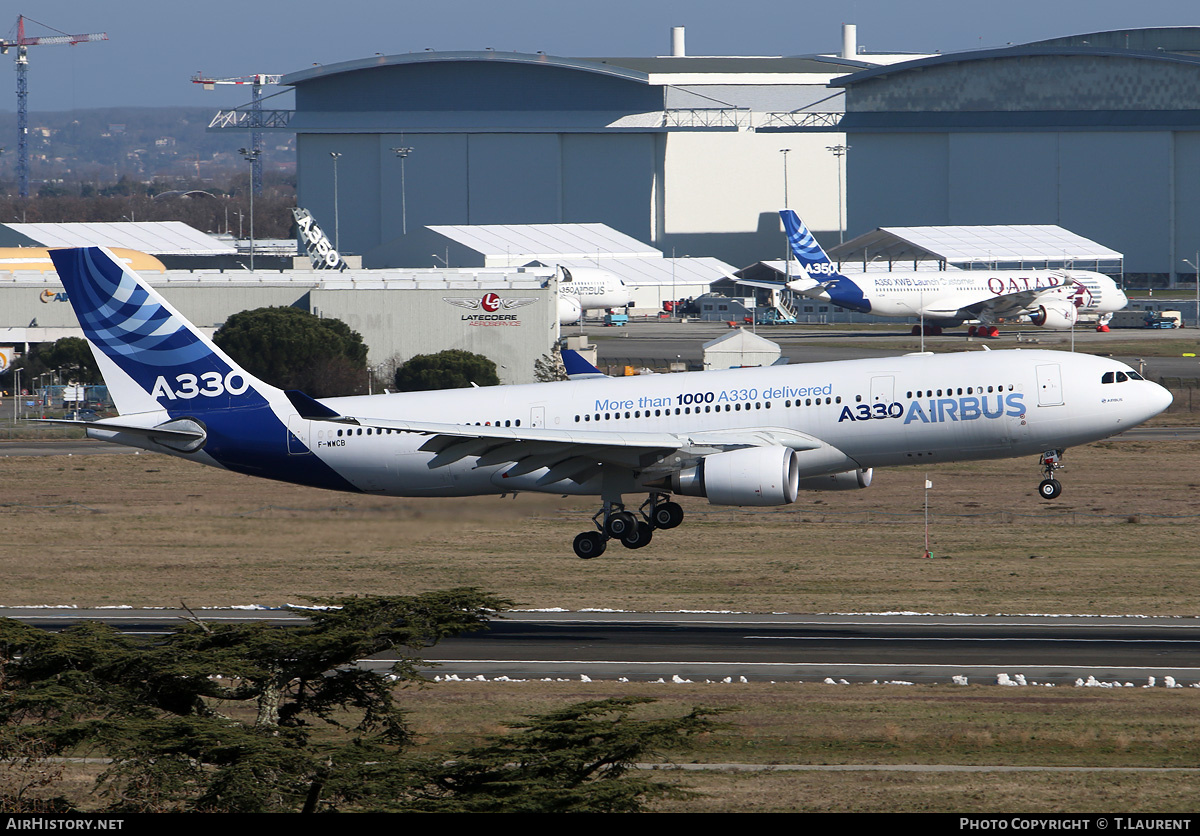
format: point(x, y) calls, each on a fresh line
point(596, 289)
point(915, 409)
point(906, 294)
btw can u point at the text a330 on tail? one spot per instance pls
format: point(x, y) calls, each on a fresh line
point(1054, 299)
point(740, 437)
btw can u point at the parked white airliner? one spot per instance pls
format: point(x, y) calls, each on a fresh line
point(583, 289)
point(738, 437)
point(1047, 298)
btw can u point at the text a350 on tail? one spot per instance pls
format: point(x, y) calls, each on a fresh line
point(738, 437)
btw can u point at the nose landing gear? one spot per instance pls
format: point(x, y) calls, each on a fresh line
point(1051, 461)
point(612, 521)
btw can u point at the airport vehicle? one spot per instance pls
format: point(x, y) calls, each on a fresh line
point(1054, 299)
point(738, 437)
point(1146, 319)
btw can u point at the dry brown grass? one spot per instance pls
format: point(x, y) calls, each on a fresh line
point(151, 530)
point(884, 726)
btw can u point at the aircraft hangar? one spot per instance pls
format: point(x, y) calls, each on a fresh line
point(687, 153)
point(1098, 133)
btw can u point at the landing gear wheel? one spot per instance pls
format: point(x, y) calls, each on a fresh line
point(667, 515)
point(590, 544)
point(972, 331)
point(637, 538)
point(620, 524)
point(1050, 488)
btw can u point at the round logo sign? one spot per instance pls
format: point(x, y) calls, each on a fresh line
point(490, 302)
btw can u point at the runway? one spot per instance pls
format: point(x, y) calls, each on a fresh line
point(912, 648)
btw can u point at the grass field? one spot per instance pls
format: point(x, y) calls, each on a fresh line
point(152, 530)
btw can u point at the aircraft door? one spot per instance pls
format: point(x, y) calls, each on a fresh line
point(537, 416)
point(297, 436)
point(1049, 378)
point(883, 390)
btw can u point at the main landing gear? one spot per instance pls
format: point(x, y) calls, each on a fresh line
point(1051, 461)
point(614, 522)
point(990, 332)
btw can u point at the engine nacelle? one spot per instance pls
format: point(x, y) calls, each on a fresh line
point(569, 310)
point(1055, 315)
point(750, 476)
point(849, 480)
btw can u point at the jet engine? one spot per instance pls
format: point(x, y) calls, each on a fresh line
point(750, 476)
point(849, 480)
point(1055, 315)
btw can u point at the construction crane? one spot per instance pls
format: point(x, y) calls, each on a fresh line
point(22, 44)
point(257, 82)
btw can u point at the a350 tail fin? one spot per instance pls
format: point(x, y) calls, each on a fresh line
point(805, 247)
point(151, 357)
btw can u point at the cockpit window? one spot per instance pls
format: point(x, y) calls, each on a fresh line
point(1108, 378)
point(1122, 377)
point(1135, 376)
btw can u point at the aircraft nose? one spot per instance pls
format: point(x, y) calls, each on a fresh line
point(1157, 400)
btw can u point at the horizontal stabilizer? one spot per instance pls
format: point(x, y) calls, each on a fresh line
point(182, 434)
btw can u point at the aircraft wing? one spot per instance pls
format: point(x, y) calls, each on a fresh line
point(1011, 304)
point(578, 455)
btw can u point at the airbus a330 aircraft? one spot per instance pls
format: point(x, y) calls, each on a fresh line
point(739, 437)
point(1048, 298)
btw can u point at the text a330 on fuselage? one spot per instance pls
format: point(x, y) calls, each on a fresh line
point(1054, 299)
point(741, 437)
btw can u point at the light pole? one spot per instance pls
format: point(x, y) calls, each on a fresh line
point(402, 152)
point(250, 155)
point(839, 151)
point(1197, 269)
point(337, 238)
point(787, 245)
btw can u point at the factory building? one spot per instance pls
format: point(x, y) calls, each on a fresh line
point(690, 154)
point(1098, 133)
point(512, 319)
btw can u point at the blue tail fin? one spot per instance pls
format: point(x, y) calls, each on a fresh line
point(151, 357)
point(577, 367)
point(805, 247)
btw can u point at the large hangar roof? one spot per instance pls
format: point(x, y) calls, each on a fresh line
point(154, 237)
point(1028, 244)
point(659, 272)
point(522, 243)
point(641, 69)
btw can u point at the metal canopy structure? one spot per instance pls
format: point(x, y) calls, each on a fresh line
point(154, 237)
point(514, 245)
point(660, 272)
point(975, 246)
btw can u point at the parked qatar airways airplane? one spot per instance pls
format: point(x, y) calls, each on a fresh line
point(1047, 298)
point(738, 437)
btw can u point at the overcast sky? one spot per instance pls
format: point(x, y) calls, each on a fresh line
point(155, 47)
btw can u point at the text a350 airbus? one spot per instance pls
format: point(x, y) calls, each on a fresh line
point(738, 437)
point(1053, 299)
